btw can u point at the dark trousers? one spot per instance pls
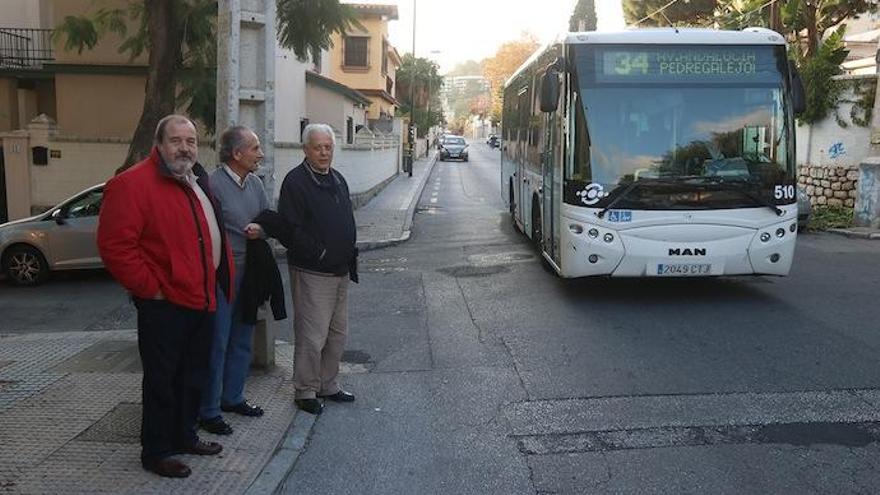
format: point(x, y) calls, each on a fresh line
point(174, 344)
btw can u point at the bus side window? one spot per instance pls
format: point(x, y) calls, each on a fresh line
point(581, 163)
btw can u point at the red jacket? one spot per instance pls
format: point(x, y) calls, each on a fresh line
point(153, 234)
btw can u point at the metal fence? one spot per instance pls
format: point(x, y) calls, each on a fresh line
point(24, 48)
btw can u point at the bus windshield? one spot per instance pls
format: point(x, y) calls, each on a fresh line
point(706, 124)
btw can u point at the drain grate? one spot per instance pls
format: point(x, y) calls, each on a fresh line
point(356, 357)
point(121, 425)
point(474, 271)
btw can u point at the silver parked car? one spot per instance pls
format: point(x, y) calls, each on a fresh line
point(62, 238)
point(805, 210)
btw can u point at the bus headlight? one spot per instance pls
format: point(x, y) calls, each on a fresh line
point(593, 233)
point(608, 237)
point(765, 236)
point(576, 228)
point(780, 232)
point(593, 258)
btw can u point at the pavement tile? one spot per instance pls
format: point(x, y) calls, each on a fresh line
point(44, 407)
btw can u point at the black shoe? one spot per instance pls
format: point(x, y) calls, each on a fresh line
point(311, 406)
point(244, 409)
point(216, 426)
point(202, 447)
point(341, 396)
point(168, 467)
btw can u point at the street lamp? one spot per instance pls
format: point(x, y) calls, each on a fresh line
point(412, 100)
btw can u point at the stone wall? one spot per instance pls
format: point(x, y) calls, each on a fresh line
point(833, 186)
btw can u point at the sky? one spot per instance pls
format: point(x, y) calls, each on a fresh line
point(453, 31)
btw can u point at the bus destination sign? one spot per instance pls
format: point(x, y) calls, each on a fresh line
point(686, 64)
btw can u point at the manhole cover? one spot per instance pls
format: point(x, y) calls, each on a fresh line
point(474, 271)
point(107, 356)
point(121, 425)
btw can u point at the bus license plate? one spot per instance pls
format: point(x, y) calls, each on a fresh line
point(682, 270)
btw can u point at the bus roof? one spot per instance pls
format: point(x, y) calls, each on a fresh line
point(648, 36)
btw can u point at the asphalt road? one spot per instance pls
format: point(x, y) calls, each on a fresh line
point(477, 371)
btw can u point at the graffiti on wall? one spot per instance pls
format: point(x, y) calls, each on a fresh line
point(836, 150)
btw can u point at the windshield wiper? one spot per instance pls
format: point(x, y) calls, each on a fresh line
point(733, 185)
point(727, 185)
point(633, 185)
point(755, 198)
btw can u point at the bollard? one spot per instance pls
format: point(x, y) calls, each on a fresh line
point(262, 344)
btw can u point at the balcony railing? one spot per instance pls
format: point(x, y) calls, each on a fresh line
point(24, 48)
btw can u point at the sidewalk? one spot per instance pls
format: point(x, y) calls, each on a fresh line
point(70, 402)
point(387, 219)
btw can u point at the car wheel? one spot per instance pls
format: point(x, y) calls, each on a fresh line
point(25, 265)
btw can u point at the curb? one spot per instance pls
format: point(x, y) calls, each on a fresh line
point(280, 465)
point(408, 217)
point(857, 234)
point(291, 446)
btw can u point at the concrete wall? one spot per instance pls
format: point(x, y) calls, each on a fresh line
point(33, 14)
point(8, 104)
point(828, 144)
point(366, 165)
point(106, 52)
point(290, 95)
point(99, 105)
point(331, 108)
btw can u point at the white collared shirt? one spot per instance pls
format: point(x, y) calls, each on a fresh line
point(235, 177)
point(210, 216)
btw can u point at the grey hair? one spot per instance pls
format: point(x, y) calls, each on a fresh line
point(168, 119)
point(318, 128)
point(232, 139)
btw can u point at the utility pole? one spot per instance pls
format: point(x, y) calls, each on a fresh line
point(246, 75)
point(246, 96)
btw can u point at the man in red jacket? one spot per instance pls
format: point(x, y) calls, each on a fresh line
point(161, 236)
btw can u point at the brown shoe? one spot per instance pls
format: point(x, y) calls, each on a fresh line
point(202, 447)
point(169, 468)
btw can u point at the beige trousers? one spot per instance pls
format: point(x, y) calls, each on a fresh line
point(320, 327)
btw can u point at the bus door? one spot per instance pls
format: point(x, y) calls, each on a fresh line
point(549, 162)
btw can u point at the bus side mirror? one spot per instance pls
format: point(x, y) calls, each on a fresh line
point(549, 90)
point(798, 95)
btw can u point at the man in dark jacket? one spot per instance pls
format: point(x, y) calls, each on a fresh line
point(315, 204)
point(161, 236)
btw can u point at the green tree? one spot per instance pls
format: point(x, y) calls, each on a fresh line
point(584, 11)
point(180, 39)
point(419, 78)
point(656, 12)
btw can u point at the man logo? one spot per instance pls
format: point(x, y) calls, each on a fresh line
point(687, 252)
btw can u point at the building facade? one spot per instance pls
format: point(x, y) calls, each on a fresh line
point(365, 60)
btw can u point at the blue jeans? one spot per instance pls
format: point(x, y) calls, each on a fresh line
point(230, 355)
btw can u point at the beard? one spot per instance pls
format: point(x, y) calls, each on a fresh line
point(181, 164)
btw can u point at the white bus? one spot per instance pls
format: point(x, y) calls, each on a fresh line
point(656, 152)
